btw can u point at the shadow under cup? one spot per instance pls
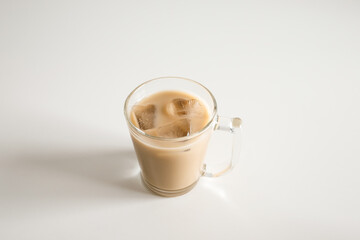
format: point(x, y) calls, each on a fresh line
point(171, 166)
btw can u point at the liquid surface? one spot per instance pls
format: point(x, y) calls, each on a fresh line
point(170, 114)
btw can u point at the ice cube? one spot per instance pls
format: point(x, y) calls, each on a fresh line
point(175, 129)
point(145, 116)
point(181, 106)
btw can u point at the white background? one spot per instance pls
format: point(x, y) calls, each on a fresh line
point(290, 69)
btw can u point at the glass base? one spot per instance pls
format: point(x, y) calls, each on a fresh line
point(167, 193)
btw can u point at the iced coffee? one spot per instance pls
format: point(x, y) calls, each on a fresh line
point(164, 117)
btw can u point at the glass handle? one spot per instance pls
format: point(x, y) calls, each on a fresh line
point(232, 126)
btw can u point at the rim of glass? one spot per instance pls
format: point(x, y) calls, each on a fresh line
point(171, 139)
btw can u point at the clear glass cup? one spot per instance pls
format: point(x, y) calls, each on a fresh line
point(173, 166)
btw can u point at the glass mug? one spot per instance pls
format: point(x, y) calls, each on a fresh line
point(172, 166)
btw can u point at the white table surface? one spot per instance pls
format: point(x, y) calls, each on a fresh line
point(290, 69)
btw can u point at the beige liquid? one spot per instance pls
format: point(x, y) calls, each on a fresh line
point(171, 165)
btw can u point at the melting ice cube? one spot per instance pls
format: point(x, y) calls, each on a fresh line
point(145, 116)
point(181, 106)
point(175, 129)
